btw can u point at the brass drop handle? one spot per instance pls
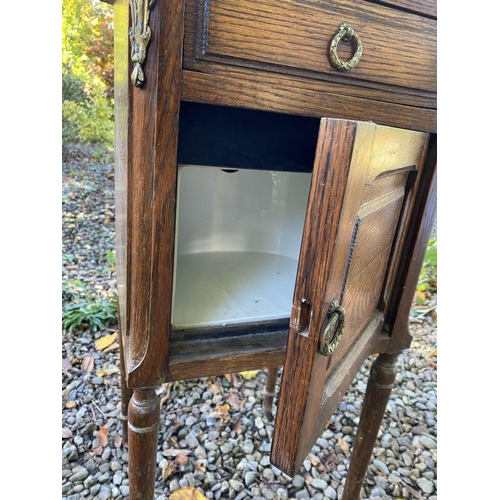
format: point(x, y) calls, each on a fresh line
point(334, 329)
point(346, 33)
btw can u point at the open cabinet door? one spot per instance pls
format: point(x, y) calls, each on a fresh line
point(362, 188)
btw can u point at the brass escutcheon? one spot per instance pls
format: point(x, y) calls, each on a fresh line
point(334, 329)
point(346, 33)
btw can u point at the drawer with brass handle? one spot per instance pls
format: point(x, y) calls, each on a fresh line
point(359, 42)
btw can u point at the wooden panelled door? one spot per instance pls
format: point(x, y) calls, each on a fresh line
point(362, 189)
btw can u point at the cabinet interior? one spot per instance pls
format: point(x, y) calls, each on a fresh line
point(242, 191)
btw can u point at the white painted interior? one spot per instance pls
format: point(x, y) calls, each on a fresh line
point(237, 245)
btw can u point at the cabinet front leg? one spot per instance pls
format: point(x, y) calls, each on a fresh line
point(126, 394)
point(382, 376)
point(143, 424)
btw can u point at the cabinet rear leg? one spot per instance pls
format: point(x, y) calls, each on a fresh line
point(269, 391)
point(143, 424)
point(382, 376)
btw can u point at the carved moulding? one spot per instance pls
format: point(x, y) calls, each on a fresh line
point(140, 34)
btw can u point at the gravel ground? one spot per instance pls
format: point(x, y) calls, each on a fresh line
point(213, 434)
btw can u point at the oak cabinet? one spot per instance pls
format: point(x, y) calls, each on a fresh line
point(272, 210)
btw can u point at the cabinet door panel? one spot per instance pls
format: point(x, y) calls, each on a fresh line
point(361, 191)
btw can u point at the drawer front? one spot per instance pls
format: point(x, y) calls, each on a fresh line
point(294, 36)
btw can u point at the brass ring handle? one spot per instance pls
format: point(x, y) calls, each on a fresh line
point(346, 33)
point(334, 329)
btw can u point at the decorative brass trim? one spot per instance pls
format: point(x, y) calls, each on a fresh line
point(346, 33)
point(332, 334)
point(140, 34)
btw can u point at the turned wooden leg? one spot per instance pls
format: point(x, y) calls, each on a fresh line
point(143, 423)
point(382, 375)
point(126, 394)
point(269, 391)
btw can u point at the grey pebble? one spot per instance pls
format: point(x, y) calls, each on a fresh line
point(330, 493)
point(250, 478)
point(302, 494)
point(226, 447)
point(236, 485)
point(94, 490)
point(428, 442)
point(425, 485)
point(80, 475)
point(248, 447)
point(381, 467)
point(190, 421)
point(282, 494)
point(298, 481)
point(319, 484)
point(268, 474)
point(192, 441)
point(104, 493)
point(394, 479)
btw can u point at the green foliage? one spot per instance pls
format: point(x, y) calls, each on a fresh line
point(82, 310)
point(88, 121)
point(110, 257)
point(428, 274)
point(87, 72)
point(94, 315)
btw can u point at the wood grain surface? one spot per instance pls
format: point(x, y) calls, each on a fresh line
point(248, 88)
point(370, 215)
point(398, 48)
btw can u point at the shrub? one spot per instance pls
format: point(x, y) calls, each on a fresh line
point(87, 72)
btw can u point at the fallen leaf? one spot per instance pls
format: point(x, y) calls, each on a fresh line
point(118, 441)
point(415, 493)
point(234, 400)
point(248, 375)
point(223, 409)
point(187, 493)
point(431, 354)
point(181, 460)
point(88, 363)
point(102, 436)
point(331, 462)
point(66, 433)
point(237, 383)
point(168, 469)
point(237, 428)
point(344, 445)
point(105, 341)
point(108, 369)
point(213, 388)
point(113, 347)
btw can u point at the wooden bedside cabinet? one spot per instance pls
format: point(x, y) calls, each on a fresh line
point(275, 191)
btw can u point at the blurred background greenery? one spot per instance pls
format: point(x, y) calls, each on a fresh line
point(87, 72)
